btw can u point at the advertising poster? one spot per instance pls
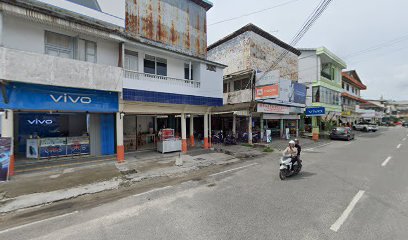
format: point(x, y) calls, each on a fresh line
point(5, 153)
point(32, 148)
point(265, 92)
point(78, 146)
point(269, 108)
point(300, 93)
point(268, 135)
point(52, 147)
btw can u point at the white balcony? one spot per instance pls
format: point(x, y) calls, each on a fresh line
point(28, 67)
point(241, 96)
point(163, 80)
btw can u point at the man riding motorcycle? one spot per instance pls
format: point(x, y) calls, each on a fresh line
point(291, 151)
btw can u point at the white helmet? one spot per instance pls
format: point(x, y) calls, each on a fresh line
point(292, 142)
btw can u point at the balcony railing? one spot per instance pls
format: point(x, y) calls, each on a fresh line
point(162, 79)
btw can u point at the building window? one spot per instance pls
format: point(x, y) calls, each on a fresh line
point(211, 68)
point(59, 45)
point(347, 87)
point(316, 94)
point(342, 85)
point(188, 71)
point(155, 65)
point(131, 61)
point(86, 50)
point(225, 88)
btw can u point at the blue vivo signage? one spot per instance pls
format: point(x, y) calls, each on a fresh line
point(315, 111)
point(24, 96)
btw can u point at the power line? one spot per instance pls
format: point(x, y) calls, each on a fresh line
point(252, 13)
point(317, 12)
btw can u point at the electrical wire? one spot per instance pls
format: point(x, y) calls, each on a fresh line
point(252, 13)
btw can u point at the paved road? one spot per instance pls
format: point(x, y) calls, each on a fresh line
point(355, 190)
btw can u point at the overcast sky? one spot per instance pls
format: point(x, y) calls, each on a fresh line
point(345, 28)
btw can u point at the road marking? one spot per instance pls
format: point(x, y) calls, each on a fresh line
point(386, 161)
point(399, 145)
point(234, 169)
point(152, 191)
point(404, 139)
point(336, 226)
point(33, 223)
point(309, 149)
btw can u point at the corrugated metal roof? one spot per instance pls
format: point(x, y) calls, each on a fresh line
point(253, 28)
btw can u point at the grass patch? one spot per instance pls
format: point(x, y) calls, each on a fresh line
point(247, 145)
point(268, 149)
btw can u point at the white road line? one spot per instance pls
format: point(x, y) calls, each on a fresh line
point(310, 149)
point(386, 161)
point(33, 223)
point(152, 191)
point(336, 226)
point(399, 145)
point(404, 139)
point(234, 169)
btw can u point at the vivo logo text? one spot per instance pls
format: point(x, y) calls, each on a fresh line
point(40, 122)
point(65, 98)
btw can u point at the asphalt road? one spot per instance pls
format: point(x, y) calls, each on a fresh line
point(348, 190)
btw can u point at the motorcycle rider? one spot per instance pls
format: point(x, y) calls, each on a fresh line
point(298, 147)
point(291, 151)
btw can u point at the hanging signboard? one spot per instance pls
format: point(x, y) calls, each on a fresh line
point(315, 111)
point(265, 92)
point(269, 108)
point(5, 154)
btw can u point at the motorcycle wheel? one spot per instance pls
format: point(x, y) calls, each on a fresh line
point(298, 169)
point(282, 174)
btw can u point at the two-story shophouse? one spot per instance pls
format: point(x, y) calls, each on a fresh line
point(59, 77)
point(260, 87)
point(321, 70)
point(167, 77)
point(351, 98)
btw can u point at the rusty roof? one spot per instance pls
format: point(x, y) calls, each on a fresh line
point(204, 3)
point(353, 78)
point(253, 28)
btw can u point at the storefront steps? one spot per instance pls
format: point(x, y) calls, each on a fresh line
point(42, 188)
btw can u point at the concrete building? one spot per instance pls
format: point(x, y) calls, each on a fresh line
point(260, 86)
point(351, 98)
point(92, 78)
point(60, 79)
point(321, 70)
point(167, 77)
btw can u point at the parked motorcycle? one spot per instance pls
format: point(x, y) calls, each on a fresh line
point(217, 138)
point(286, 169)
point(230, 140)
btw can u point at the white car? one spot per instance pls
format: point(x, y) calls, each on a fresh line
point(366, 127)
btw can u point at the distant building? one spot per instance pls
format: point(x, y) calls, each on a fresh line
point(260, 89)
point(351, 97)
point(321, 70)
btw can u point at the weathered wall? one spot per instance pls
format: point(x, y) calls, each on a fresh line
point(252, 51)
point(176, 25)
point(234, 53)
point(21, 66)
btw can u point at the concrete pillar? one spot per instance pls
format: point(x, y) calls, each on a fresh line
point(183, 133)
point(297, 128)
point(192, 130)
point(234, 125)
point(209, 130)
point(1, 29)
point(282, 128)
point(262, 127)
point(250, 128)
point(7, 130)
point(315, 127)
point(206, 146)
point(120, 148)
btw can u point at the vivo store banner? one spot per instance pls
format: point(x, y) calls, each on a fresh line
point(108, 11)
point(22, 96)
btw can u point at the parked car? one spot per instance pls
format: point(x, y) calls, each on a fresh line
point(366, 127)
point(343, 133)
point(405, 124)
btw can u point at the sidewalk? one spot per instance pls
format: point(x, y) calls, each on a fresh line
point(39, 188)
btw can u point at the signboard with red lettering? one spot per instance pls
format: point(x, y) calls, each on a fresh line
point(269, 108)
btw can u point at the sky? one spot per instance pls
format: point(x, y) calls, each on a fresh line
point(346, 28)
